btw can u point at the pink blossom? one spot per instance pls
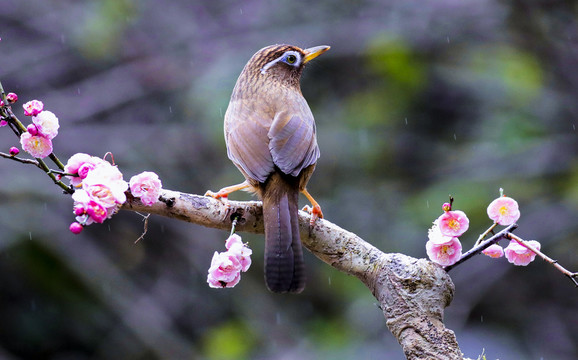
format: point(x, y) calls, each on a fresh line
point(225, 270)
point(46, 123)
point(96, 211)
point(80, 164)
point(37, 146)
point(147, 186)
point(105, 183)
point(504, 211)
point(519, 255)
point(444, 254)
point(435, 235)
point(235, 246)
point(11, 98)
point(75, 228)
point(14, 151)
point(494, 251)
point(3, 123)
point(33, 107)
point(453, 223)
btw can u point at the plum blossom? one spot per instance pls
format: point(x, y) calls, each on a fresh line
point(453, 223)
point(33, 107)
point(226, 267)
point(147, 186)
point(225, 270)
point(46, 123)
point(80, 164)
point(104, 183)
point(35, 145)
point(494, 251)
point(504, 211)
point(3, 123)
point(442, 249)
point(444, 254)
point(11, 98)
point(235, 246)
point(520, 255)
point(14, 151)
point(101, 188)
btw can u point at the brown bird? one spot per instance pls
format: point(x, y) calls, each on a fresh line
point(270, 137)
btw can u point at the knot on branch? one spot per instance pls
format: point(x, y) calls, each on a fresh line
point(414, 293)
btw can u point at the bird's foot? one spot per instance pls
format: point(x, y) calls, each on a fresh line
point(221, 194)
point(315, 213)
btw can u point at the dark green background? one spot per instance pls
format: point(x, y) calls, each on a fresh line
point(415, 101)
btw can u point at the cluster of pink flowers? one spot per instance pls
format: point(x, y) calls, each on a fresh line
point(505, 211)
point(226, 267)
point(100, 189)
point(444, 248)
point(37, 140)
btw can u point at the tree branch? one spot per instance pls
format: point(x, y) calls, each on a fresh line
point(412, 292)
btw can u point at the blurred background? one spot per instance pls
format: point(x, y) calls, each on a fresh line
point(415, 101)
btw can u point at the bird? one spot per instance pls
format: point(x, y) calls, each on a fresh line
point(270, 135)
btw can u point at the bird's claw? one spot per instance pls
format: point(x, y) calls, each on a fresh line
point(315, 213)
point(217, 195)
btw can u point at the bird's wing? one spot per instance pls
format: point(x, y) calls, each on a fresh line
point(293, 144)
point(258, 140)
point(247, 140)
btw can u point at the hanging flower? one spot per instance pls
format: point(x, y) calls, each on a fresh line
point(520, 255)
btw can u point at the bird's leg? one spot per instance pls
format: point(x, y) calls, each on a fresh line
point(315, 209)
point(224, 192)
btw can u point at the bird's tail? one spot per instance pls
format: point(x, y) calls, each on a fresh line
point(284, 267)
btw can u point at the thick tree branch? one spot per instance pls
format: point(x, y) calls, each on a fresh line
point(412, 292)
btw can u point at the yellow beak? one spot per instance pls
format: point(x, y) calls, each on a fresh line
point(313, 52)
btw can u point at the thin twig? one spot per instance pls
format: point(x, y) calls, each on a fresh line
point(20, 160)
point(569, 274)
point(482, 236)
point(146, 226)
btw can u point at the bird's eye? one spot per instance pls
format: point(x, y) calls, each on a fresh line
point(292, 58)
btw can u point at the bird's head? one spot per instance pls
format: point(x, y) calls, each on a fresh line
point(283, 63)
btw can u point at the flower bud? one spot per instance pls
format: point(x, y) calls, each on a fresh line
point(32, 129)
point(75, 228)
point(446, 206)
point(11, 98)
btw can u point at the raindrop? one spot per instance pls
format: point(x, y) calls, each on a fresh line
point(427, 203)
point(221, 111)
point(78, 91)
point(405, 121)
point(574, 127)
point(241, 11)
point(109, 228)
point(482, 318)
point(171, 109)
point(329, 280)
point(455, 137)
point(30, 235)
point(448, 39)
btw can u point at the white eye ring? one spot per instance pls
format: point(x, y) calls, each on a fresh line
point(294, 55)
